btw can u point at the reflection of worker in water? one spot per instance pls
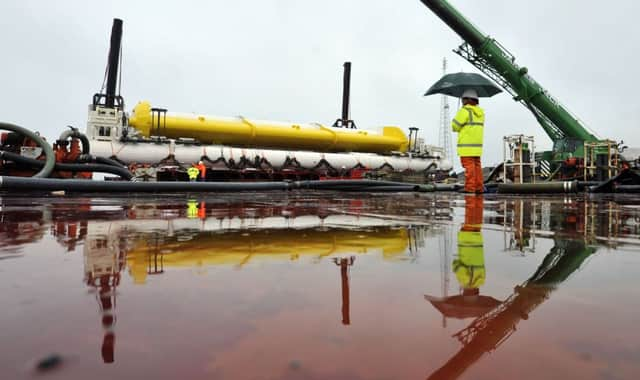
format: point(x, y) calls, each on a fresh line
point(196, 210)
point(469, 265)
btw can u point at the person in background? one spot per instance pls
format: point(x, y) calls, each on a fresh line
point(469, 124)
point(203, 171)
point(193, 173)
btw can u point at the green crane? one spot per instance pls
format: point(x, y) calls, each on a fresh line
point(566, 131)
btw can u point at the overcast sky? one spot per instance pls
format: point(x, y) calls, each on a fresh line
point(282, 60)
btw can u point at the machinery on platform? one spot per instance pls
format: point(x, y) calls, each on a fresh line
point(156, 143)
point(577, 152)
point(151, 143)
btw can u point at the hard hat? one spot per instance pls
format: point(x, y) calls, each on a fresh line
point(200, 162)
point(470, 94)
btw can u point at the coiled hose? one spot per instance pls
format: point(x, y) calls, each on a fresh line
point(111, 168)
point(91, 164)
point(50, 157)
point(77, 134)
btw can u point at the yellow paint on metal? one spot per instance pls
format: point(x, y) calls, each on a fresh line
point(240, 248)
point(242, 132)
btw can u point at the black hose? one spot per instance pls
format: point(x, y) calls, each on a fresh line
point(106, 161)
point(77, 134)
point(586, 185)
point(48, 151)
point(101, 168)
point(333, 183)
point(383, 189)
point(627, 189)
point(401, 189)
point(539, 188)
point(38, 184)
point(51, 184)
point(446, 187)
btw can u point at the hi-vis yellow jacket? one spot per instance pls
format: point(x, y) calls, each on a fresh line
point(469, 123)
point(193, 173)
point(469, 266)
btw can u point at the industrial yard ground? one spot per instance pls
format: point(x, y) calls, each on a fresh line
point(319, 285)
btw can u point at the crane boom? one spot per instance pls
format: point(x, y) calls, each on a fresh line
point(489, 56)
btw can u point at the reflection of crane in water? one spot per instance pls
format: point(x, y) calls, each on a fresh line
point(490, 330)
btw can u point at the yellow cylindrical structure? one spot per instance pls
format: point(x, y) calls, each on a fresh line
point(241, 132)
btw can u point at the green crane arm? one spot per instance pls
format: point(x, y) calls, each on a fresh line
point(496, 62)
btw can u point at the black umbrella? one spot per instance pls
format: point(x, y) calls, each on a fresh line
point(462, 307)
point(457, 83)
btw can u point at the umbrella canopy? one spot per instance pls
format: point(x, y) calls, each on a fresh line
point(463, 307)
point(457, 83)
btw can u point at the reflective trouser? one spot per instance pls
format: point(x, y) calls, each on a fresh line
point(473, 181)
point(473, 211)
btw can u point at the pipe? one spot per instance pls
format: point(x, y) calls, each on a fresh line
point(106, 161)
point(50, 157)
point(446, 187)
point(586, 185)
point(627, 189)
point(408, 188)
point(241, 132)
point(101, 168)
point(539, 188)
point(50, 184)
point(346, 92)
point(114, 58)
point(64, 136)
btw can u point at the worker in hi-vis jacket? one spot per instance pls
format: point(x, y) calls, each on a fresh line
point(193, 172)
point(469, 124)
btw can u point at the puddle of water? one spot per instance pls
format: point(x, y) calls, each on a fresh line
point(319, 286)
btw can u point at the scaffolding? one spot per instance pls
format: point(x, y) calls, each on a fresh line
point(518, 152)
point(601, 157)
point(445, 120)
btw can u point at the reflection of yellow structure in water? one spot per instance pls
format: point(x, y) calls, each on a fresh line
point(237, 248)
point(148, 246)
